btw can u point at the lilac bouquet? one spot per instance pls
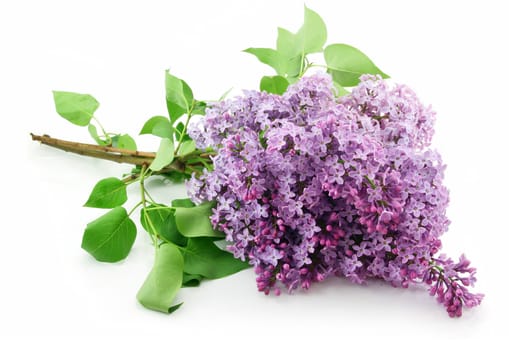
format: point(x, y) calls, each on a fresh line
point(310, 186)
point(304, 180)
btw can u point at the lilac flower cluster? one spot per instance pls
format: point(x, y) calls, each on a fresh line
point(310, 186)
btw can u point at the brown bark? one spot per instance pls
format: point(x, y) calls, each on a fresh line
point(118, 155)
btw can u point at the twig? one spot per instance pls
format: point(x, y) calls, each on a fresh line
point(118, 155)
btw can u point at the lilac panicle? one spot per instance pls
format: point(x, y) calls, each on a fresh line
point(310, 186)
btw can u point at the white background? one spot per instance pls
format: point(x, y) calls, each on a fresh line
point(454, 54)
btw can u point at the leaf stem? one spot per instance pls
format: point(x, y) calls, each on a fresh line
point(184, 131)
point(150, 197)
point(153, 236)
point(105, 134)
point(134, 208)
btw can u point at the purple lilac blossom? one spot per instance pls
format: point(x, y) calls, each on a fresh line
point(310, 186)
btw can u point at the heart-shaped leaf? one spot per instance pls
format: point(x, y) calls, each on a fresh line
point(347, 64)
point(107, 193)
point(164, 155)
point(76, 108)
point(110, 237)
point(158, 126)
point(274, 85)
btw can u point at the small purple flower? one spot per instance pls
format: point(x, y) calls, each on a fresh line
point(362, 249)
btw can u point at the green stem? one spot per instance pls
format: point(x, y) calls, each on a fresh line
point(154, 236)
point(134, 208)
point(105, 134)
point(160, 207)
point(152, 201)
point(184, 131)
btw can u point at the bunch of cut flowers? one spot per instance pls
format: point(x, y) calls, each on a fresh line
point(324, 172)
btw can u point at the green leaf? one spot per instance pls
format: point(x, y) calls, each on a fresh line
point(175, 308)
point(186, 147)
point(163, 223)
point(189, 280)
point(158, 126)
point(179, 129)
point(175, 176)
point(124, 141)
point(293, 69)
point(164, 155)
point(188, 94)
point(164, 280)
point(195, 222)
point(274, 85)
point(270, 57)
point(292, 48)
point(92, 130)
point(179, 96)
point(203, 257)
point(289, 50)
point(199, 107)
point(76, 108)
point(110, 237)
point(170, 232)
point(107, 193)
point(287, 43)
point(313, 34)
point(157, 215)
point(182, 202)
point(346, 64)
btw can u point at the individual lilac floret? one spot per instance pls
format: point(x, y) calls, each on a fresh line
point(310, 186)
